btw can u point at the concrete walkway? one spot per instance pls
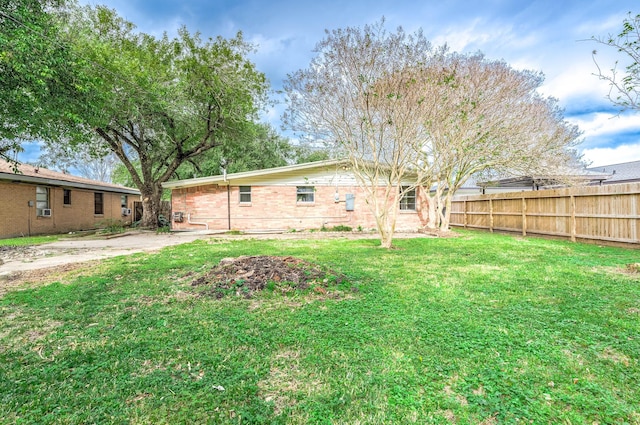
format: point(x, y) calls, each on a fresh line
point(76, 250)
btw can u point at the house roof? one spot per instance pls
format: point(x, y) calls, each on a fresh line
point(38, 175)
point(256, 174)
point(620, 173)
point(571, 174)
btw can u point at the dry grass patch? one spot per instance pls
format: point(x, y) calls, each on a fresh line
point(299, 301)
point(462, 400)
point(287, 382)
point(138, 398)
point(633, 268)
point(147, 368)
point(16, 331)
point(615, 356)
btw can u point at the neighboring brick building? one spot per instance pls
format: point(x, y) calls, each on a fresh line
point(40, 201)
point(303, 196)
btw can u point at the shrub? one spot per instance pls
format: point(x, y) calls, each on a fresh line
point(341, 228)
point(111, 226)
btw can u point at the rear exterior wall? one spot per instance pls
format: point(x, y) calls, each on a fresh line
point(276, 208)
point(18, 218)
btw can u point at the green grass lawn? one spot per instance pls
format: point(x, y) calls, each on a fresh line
point(29, 240)
point(482, 328)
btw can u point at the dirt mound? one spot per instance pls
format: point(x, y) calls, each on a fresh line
point(245, 275)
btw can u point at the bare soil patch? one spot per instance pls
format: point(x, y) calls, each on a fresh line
point(10, 252)
point(38, 277)
point(244, 276)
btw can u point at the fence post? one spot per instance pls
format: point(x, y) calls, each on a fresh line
point(634, 220)
point(464, 220)
point(524, 216)
point(573, 218)
point(490, 215)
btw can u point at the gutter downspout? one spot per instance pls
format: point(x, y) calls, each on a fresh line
point(224, 179)
point(206, 226)
point(229, 205)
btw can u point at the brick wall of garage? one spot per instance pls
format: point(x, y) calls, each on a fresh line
point(276, 208)
point(17, 218)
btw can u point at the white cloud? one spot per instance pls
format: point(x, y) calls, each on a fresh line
point(459, 38)
point(606, 124)
point(603, 26)
point(269, 46)
point(615, 155)
point(576, 81)
point(487, 37)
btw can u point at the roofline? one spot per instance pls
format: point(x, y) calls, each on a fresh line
point(226, 180)
point(611, 165)
point(527, 180)
point(65, 183)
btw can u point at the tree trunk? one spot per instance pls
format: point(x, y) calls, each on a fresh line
point(386, 221)
point(431, 212)
point(151, 202)
point(386, 236)
point(446, 217)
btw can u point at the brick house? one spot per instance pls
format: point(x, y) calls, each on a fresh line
point(302, 196)
point(37, 201)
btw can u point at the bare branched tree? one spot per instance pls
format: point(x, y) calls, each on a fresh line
point(624, 85)
point(88, 161)
point(490, 117)
point(361, 92)
point(407, 115)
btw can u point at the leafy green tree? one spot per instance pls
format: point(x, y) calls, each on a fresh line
point(625, 87)
point(40, 82)
point(305, 153)
point(260, 147)
point(158, 103)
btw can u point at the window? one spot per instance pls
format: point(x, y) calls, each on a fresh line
point(124, 201)
point(245, 194)
point(98, 202)
point(42, 200)
point(408, 200)
point(305, 194)
point(67, 196)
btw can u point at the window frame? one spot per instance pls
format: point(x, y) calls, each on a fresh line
point(96, 196)
point(305, 194)
point(42, 204)
point(242, 191)
point(66, 197)
point(408, 200)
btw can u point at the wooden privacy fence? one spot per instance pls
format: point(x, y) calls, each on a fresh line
point(605, 213)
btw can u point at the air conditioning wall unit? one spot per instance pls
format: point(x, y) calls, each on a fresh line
point(178, 216)
point(46, 212)
point(126, 211)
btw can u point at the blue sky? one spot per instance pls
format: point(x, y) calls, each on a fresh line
point(551, 36)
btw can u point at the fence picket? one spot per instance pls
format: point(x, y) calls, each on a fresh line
point(606, 213)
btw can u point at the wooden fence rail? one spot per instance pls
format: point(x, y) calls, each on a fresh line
point(603, 213)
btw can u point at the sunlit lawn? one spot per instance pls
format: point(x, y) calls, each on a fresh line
point(477, 328)
point(29, 240)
